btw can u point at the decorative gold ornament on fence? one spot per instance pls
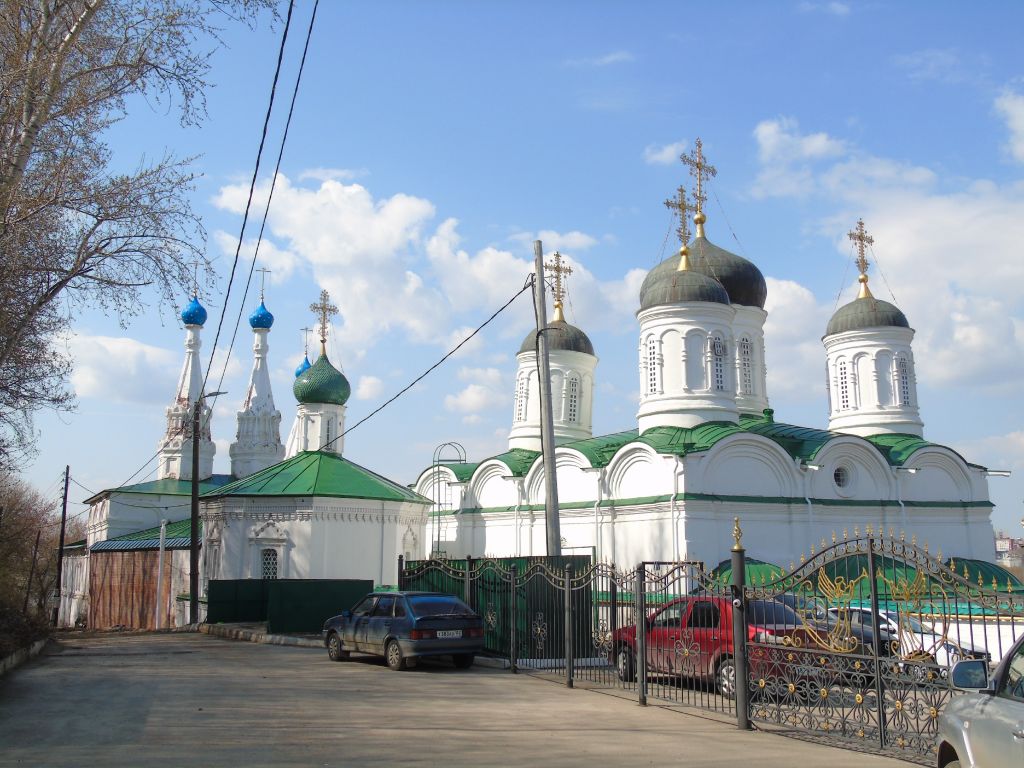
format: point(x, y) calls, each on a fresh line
point(737, 535)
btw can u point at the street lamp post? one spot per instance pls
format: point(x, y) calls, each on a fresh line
point(193, 560)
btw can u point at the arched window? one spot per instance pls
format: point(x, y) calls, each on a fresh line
point(903, 379)
point(652, 366)
point(572, 399)
point(717, 363)
point(843, 376)
point(268, 562)
point(746, 366)
point(522, 397)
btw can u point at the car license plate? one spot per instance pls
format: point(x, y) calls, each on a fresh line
point(449, 633)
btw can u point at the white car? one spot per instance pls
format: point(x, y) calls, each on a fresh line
point(985, 728)
point(917, 641)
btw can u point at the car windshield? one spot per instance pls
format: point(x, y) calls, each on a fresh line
point(903, 620)
point(438, 605)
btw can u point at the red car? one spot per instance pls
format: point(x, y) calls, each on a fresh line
point(692, 637)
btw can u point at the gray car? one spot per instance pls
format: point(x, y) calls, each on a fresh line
point(985, 728)
point(406, 626)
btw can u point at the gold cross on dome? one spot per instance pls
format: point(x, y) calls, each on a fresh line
point(263, 279)
point(861, 237)
point(683, 207)
point(701, 170)
point(558, 269)
point(324, 309)
point(305, 338)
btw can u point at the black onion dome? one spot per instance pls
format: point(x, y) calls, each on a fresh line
point(741, 278)
point(560, 335)
point(866, 312)
point(665, 284)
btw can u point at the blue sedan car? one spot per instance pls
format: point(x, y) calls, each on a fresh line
point(404, 626)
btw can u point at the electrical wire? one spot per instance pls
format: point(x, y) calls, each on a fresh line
point(878, 264)
point(270, 195)
point(263, 137)
point(252, 189)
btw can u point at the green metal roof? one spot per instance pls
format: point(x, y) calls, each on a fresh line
point(462, 470)
point(755, 572)
point(319, 473)
point(599, 450)
point(167, 487)
point(799, 442)
point(177, 529)
point(518, 460)
point(990, 574)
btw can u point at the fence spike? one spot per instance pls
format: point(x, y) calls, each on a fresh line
point(892, 533)
point(926, 547)
point(823, 544)
point(903, 535)
point(856, 531)
point(846, 534)
point(981, 581)
point(1009, 586)
point(913, 540)
point(792, 566)
point(833, 537)
point(952, 564)
point(966, 574)
point(938, 554)
point(802, 559)
point(867, 529)
point(812, 549)
point(995, 584)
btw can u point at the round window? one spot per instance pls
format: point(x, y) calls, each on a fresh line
point(841, 477)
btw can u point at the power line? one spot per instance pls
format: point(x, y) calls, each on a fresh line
point(252, 188)
point(270, 195)
point(181, 430)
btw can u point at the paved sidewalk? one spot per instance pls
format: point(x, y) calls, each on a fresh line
point(189, 699)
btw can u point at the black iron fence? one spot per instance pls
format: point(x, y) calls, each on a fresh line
point(852, 646)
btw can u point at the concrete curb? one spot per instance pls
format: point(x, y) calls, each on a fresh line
point(256, 636)
point(19, 657)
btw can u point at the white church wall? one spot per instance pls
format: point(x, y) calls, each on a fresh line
point(851, 469)
point(488, 488)
point(117, 514)
point(744, 465)
point(638, 471)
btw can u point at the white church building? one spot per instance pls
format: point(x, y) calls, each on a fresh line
point(706, 446)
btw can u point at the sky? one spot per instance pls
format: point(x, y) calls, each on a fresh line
point(432, 143)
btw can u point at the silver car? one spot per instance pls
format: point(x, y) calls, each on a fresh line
point(985, 728)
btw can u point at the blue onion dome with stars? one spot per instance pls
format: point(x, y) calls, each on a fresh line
point(194, 313)
point(322, 383)
point(303, 366)
point(261, 317)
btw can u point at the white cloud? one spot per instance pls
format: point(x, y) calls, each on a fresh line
point(1010, 106)
point(333, 174)
point(608, 59)
point(795, 357)
point(834, 8)
point(952, 250)
point(556, 241)
point(362, 250)
point(368, 388)
point(123, 369)
point(941, 64)
point(665, 154)
point(474, 399)
point(281, 263)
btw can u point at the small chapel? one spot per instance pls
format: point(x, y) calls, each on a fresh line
point(706, 446)
point(294, 510)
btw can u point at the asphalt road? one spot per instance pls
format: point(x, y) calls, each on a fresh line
point(197, 700)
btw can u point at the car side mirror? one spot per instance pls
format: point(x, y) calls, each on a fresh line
point(346, 615)
point(970, 674)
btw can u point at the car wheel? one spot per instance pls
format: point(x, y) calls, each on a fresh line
point(393, 655)
point(725, 678)
point(625, 663)
point(463, 660)
point(335, 649)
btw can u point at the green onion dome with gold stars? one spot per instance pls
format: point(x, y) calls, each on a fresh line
point(322, 383)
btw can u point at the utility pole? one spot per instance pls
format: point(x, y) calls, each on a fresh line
point(60, 547)
point(547, 429)
point(193, 555)
point(31, 573)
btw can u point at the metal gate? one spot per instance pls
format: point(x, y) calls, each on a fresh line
point(855, 644)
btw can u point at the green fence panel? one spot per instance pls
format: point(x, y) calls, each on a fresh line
point(302, 605)
point(231, 601)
